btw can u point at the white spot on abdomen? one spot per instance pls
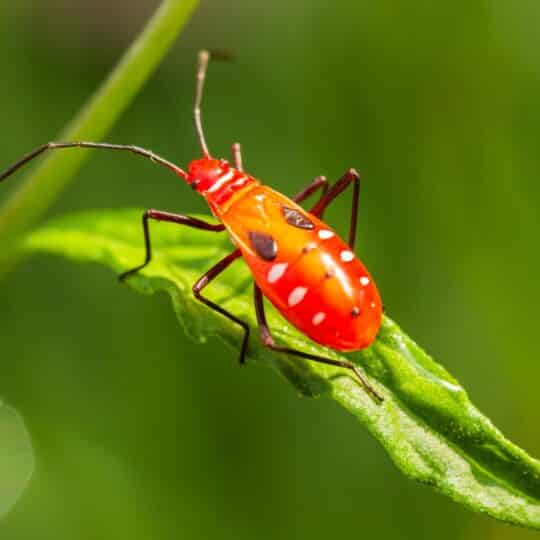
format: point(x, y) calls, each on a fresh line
point(346, 255)
point(364, 280)
point(296, 296)
point(310, 246)
point(318, 318)
point(325, 234)
point(276, 272)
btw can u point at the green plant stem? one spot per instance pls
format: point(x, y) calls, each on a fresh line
point(40, 189)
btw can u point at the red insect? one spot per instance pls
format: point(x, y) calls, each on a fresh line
point(299, 263)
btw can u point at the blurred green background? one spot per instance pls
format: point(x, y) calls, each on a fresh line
point(141, 434)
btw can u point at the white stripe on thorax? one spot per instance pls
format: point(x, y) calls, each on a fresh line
point(220, 181)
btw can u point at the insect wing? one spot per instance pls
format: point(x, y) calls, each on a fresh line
point(305, 270)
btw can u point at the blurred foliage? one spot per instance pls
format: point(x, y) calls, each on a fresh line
point(138, 433)
point(95, 119)
point(16, 457)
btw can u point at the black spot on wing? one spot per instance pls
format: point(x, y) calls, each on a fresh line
point(296, 219)
point(264, 245)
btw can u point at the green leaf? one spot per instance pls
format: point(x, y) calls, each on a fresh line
point(427, 424)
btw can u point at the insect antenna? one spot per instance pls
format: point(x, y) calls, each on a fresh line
point(100, 146)
point(204, 57)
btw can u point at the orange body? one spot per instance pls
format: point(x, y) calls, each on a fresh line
point(301, 265)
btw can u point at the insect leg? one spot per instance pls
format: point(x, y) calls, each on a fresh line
point(350, 176)
point(236, 151)
point(319, 182)
point(159, 215)
point(268, 341)
point(204, 280)
point(85, 144)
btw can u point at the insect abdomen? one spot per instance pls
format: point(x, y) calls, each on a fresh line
point(305, 270)
point(334, 302)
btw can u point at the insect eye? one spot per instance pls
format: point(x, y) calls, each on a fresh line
point(295, 218)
